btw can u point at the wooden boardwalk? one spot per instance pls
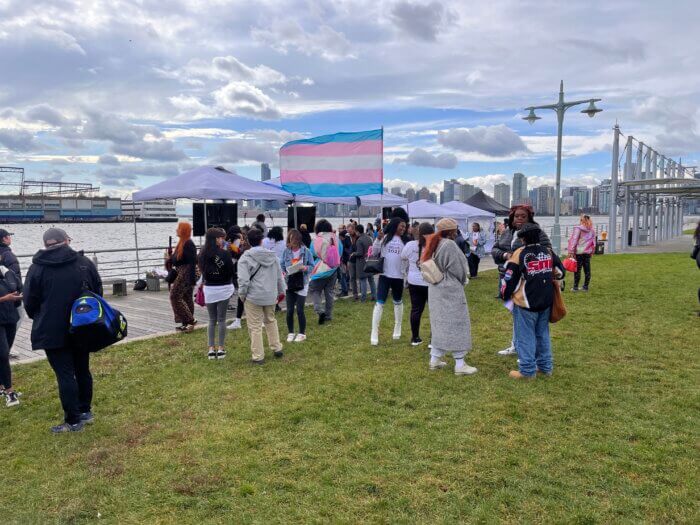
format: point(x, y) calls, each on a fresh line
point(149, 315)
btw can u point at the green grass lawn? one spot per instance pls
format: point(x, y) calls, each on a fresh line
point(339, 431)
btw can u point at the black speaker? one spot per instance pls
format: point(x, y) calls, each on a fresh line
point(219, 214)
point(386, 213)
point(305, 215)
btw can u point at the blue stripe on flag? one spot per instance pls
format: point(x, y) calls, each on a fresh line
point(358, 136)
point(334, 190)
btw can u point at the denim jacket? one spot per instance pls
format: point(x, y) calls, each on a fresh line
point(286, 262)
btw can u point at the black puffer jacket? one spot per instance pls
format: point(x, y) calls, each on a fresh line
point(505, 244)
point(54, 280)
point(8, 309)
point(9, 259)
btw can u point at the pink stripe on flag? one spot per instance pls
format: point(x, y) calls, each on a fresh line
point(331, 176)
point(334, 149)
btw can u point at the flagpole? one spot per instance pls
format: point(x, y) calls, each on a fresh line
point(381, 199)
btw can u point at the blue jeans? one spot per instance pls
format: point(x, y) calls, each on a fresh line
point(532, 341)
point(364, 281)
point(344, 280)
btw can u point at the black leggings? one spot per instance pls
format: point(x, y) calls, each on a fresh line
point(419, 296)
point(583, 260)
point(239, 304)
point(386, 283)
point(7, 338)
point(296, 301)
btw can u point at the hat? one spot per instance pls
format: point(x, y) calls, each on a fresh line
point(4, 233)
point(528, 227)
point(54, 236)
point(446, 224)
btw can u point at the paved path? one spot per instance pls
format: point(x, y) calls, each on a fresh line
point(683, 243)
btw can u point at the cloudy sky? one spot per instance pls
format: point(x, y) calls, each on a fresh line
point(126, 93)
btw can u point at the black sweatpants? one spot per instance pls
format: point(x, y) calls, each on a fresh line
point(72, 369)
point(419, 296)
point(473, 262)
point(7, 338)
point(583, 260)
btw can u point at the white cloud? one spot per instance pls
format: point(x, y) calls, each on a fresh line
point(422, 21)
point(492, 141)
point(285, 35)
point(423, 158)
point(242, 98)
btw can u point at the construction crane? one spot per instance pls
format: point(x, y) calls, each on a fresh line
point(40, 188)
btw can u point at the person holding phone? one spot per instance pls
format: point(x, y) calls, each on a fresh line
point(9, 317)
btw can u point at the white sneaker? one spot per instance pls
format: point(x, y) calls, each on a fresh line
point(235, 325)
point(300, 338)
point(508, 351)
point(437, 365)
point(465, 370)
point(290, 337)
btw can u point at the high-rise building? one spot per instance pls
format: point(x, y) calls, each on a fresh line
point(581, 198)
point(433, 196)
point(395, 191)
point(466, 191)
point(451, 190)
point(501, 192)
point(545, 200)
point(604, 196)
point(411, 194)
point(519, 188)
point(424, 193)
point(442, 197)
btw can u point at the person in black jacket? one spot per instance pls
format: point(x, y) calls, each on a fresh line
point(9, 317)
point(57, 276)
point(508, 242)
point(216, 267)
point(7, 258)
point(184, 260)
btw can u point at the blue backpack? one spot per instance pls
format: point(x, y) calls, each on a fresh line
point(94, 324)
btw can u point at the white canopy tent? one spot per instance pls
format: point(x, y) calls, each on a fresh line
point(466, 214)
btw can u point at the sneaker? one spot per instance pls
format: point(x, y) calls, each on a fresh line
point(87, 417)
point(321, 318)
point(584, 289)
point(507, 351)
point(290, 337)
point(257, 361)
point(416, 341)
point(574, 289)
point(279, 354)
point(211, 354)
point(194, 322)
point(546, 374)
point(181, 328)
point(67, 427)
point(235, 325)
point(188, 329)
point(220, 353)
point(11, 399)
point(300, 338)
point(465, 370)
point(437, 365)
point(515, 374)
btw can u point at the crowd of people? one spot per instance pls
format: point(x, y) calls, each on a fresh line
point(263, 268)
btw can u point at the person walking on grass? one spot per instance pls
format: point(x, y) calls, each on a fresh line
point(184, 261)
point(477, 242)
point(529, 280)
point(296, 265)
point(327, 253)
point(10, 299)
point(417, 287)
point(581, 247)
point(216, 267)
point(392, 278)
point(450, 326)
point(57, 276)
point(357, 266)
point(508, 242)
point(261, 288)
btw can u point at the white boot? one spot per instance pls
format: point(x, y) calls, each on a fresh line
point(376, 318)
point(398, 317)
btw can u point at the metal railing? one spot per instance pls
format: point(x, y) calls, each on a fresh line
point(119, 263)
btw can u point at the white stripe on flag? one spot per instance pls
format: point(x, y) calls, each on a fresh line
point(354, 162)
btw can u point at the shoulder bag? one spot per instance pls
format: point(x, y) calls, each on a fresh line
point(558, 311)
point(430, 271)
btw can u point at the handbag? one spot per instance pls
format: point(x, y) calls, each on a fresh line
point(374, 265)
point(295, 282)
point(558, 311)
point(172, 275)
point(199, 296)
point(430, 272)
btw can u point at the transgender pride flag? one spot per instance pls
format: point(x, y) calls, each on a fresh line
point(338, 165)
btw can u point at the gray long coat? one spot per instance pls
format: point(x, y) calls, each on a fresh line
point(449, 316)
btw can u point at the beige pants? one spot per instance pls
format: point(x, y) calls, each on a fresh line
point(256, 317)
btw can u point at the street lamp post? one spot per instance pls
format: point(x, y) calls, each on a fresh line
point(560, 108)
